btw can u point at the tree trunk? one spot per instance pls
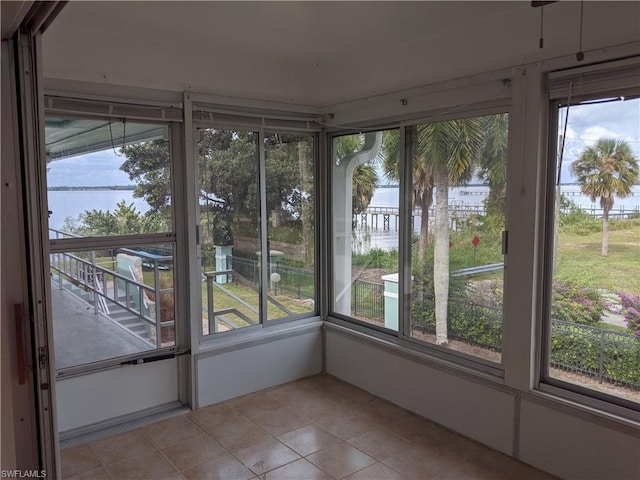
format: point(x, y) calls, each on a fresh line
point(306, 209)
point(424, 229)
point(441, 255)
point(605, 232)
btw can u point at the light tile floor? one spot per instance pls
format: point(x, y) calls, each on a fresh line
point(316, 428)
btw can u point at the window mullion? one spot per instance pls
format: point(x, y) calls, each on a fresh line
point(264, 241)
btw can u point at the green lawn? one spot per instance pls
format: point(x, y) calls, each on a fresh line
point(580, 259)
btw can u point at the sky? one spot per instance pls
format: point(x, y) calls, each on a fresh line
point(586, 124)
point(590, 122)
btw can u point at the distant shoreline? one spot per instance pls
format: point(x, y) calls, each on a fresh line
point(90, 188)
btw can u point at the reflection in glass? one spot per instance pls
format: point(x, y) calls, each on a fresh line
point(110, 303)
point(229, 228)
point(366, 216)
point(290, 230)
point(107, 177)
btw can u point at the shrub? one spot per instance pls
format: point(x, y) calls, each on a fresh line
point(631, 310)
point(577, 348)
point(572, 303)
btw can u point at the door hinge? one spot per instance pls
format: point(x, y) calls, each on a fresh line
point(505, 241)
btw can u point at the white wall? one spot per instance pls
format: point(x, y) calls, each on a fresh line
point(246, 365)
point(553, 439)
point(92, 399)
point(482, 412)
point(574, 447)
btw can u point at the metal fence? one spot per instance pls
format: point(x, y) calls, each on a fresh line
point(367, 300)
point(603, 354)
point(606, 355)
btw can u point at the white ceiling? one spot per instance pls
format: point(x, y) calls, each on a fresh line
point(315, 53)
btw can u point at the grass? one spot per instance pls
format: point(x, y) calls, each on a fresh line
point(580, 259)
point(224, 301)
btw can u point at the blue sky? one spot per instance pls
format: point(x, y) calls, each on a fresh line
point(92, 169)
point(587, 123)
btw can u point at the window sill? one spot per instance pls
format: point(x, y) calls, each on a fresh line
point(217, 344)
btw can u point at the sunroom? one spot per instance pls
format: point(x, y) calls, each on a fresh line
point(218, 198)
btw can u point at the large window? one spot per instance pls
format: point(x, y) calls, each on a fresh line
point(444, 185)
point(240, 288)
point(593, 290)
point(459, 187)
point(109, 195)
point(366, 222)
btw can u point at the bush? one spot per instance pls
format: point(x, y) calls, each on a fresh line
point(631, 310)
point(575, 304)
point(466, 321)
point(577, 348)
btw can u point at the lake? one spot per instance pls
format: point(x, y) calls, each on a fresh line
point(71, 203)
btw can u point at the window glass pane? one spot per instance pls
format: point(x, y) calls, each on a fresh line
point(594, 329)
point(366, 227)
point(290, 229)
point(107, 177)
point(459, 196)
point(229, 229)
point(110, 303)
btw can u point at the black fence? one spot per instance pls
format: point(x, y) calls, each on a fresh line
point(609, 356)
point(367, 300)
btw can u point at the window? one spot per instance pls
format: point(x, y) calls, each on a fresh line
point(459, 187)
point(109, 195)
point(235, 235)
point(366, 223)
point(592, 331)
point(455, 199)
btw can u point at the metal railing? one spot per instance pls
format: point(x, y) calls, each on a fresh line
point(106, 287)
point(596, 352)
point(214, 317)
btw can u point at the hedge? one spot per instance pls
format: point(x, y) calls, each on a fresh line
point(575, 347)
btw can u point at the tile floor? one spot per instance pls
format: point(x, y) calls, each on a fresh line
point(316, 428)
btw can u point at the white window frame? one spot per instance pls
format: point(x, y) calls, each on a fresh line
point(609, 79)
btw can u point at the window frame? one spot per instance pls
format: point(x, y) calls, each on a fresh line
point(259, 122)
point(161, 115)
point(601, 81)
point(439, 353)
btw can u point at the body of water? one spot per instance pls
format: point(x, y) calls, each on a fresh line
point(71, 203)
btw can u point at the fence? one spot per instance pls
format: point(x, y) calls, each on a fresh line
point(603, 354)
point(367, 300)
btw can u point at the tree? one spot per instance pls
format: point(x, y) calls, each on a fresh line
point(451, 150)
point(606, 170)
point(365, 176)
point(422, 175)
point(493, 162)
point(124, 220)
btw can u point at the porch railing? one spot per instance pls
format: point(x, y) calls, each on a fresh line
point(105, 288)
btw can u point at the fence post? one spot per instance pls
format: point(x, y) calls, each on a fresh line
point(298, 270)
point(158, 312)
point(210, 315)
point(601, 356)
point(93, 281)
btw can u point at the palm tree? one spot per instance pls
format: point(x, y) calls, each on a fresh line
point(422, 174)
point(606, 170)
point(451, 149)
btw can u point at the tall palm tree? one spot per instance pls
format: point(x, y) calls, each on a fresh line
point(451, 148)
point(606, 170)
point(422, 174)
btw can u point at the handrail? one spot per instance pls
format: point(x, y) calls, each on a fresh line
point(85, 269)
